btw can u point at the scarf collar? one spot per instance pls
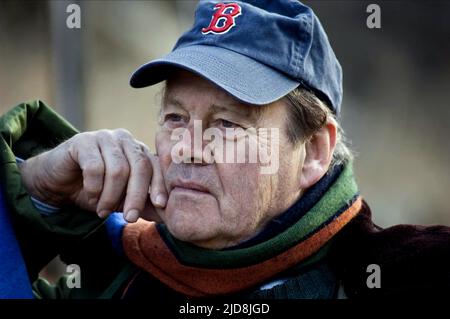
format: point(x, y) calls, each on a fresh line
point(198, 272)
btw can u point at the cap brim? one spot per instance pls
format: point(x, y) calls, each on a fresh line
point(242, 77)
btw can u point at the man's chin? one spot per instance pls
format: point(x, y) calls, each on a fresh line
point(191, 232)
point(192, 220)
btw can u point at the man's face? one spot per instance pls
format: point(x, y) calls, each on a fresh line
point(217, 205)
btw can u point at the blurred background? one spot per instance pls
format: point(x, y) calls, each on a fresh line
point(396, 108)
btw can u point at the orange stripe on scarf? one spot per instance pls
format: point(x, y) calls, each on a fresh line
point(144, 247)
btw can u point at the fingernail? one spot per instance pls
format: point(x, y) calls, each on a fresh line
point(103, 213)
point(132, 215)
point(160, 200)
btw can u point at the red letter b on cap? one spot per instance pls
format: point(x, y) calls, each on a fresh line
point(223, 19)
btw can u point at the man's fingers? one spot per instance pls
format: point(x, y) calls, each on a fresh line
point(93, 170)
point(117, 172)
point(139, 179)
point(158, 192)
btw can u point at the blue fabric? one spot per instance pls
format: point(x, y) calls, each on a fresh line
point(268, 49)
point(44, 209)
point(114, 227)
point(14, 282)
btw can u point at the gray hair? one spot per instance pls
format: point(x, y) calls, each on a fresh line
point(307, 115)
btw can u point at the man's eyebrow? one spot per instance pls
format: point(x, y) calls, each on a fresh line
point(173, 101)
point(242, 111)
point(236, 109)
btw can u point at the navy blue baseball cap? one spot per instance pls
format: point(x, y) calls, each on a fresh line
point(258, 51)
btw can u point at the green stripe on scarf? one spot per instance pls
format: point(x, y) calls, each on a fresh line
point(339, 195)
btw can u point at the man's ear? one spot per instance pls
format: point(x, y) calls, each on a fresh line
point(318, 154)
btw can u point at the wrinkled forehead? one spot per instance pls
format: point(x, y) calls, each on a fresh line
point(188, 90)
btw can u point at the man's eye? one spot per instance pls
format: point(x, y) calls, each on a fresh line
point(173, 117)
point(228, 124)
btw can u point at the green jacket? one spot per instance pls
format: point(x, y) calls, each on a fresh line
point(26, 130)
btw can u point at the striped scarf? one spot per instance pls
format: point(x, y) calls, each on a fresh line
point(198, 272)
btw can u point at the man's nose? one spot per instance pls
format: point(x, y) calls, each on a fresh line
point(193, 144)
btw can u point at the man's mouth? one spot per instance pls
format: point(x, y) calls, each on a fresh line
point(188, 186)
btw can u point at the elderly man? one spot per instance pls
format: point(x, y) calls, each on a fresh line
point(212, 225)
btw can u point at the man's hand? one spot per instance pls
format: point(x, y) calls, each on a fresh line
point(102, 171)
